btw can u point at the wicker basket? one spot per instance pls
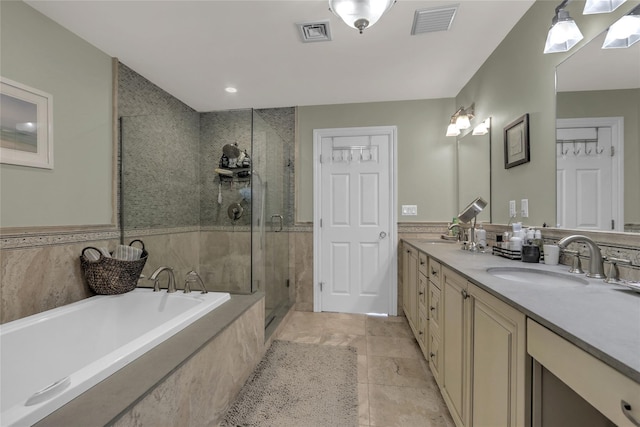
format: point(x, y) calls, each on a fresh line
point(108, 276)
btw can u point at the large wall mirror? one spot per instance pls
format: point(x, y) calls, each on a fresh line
point(474, 171)
point(598, 138)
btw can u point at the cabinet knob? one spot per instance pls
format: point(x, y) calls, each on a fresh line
point(432, 355)
point(422, 262)
point(465, 295)
point(432, 308)
point(420, 293)
point(434, 273)
point(420, 333)
point(626, 410)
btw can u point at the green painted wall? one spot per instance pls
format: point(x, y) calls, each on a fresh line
point(426, 157)
point(39, 53)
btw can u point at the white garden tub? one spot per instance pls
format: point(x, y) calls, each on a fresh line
point(50, 358)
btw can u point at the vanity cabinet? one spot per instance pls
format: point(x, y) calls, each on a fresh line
point(605, 391)
point(415, 290)
point(483, 356)
point(410, 285)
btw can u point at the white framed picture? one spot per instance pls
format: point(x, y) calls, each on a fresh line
point(26, 125)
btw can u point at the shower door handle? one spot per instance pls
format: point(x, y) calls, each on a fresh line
point(281, 220)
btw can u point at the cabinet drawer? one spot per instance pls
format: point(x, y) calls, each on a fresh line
point(606, 389)
point(434, 355)
point(434, 307)
point(422, 263)
point(423, 285)
point(435, 270)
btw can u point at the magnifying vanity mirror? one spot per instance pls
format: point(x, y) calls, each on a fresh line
point(474, 170)
point(598, 138)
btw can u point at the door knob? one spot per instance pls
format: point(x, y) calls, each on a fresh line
point(382, 235)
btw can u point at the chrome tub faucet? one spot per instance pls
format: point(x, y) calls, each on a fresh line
point(171, 288)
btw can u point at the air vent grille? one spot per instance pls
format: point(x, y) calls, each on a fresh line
point(314, 31)
point(433, 19)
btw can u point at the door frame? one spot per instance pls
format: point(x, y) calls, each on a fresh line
point(617, 162)
point(318, 134)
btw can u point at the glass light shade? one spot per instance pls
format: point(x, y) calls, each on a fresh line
point(623, 33)
point(453, 130)
point(601, 6)
point(563, 35)
point(481, 129)
point(462, 122)
point(360, 14)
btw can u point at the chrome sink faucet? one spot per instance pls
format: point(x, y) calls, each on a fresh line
point(596, 265)
point(171, 288)
point(460, 231)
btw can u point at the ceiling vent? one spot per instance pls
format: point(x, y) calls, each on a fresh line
point(433, 19)
point(318, 31)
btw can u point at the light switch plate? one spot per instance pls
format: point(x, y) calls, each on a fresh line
point(409, 210)
point(512, 208)
point(524, 208)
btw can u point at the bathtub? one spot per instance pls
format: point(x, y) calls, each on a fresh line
point(50, 358)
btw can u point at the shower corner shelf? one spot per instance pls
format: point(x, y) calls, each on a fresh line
point(234, 174)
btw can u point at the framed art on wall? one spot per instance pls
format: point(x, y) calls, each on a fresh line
point(26, 125)
point(516, 142)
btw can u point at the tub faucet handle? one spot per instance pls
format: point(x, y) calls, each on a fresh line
point(193, 277)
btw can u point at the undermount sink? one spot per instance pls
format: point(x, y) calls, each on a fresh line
point(535, 277)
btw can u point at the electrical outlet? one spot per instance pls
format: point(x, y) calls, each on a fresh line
point(512, 208)
point(409, 210)
point(524, 208)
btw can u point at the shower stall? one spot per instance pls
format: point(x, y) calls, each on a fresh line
point(197, 209)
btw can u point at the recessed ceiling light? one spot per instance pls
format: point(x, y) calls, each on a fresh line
point(231, 89)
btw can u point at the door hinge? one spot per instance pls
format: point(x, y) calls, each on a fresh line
point(320, 159)
point(613, 151)
point(320, 284)
point(320, 222)
point(613, 224)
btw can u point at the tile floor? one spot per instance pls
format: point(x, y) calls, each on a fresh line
point(395, 385)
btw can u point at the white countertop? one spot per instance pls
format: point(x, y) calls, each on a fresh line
point(602, 319)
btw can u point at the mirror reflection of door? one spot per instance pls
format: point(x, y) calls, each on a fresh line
point(589, 173)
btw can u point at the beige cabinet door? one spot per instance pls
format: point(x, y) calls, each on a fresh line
point(498, 362)
point(410, 288)
point(455, 345)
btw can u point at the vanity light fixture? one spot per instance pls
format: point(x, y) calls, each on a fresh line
point(452, 129)
point(360, 14)
point(624, 32)
point(482, 128)
point(230, 89)
point(601, 6)
point(564, 32)
point(461, 119)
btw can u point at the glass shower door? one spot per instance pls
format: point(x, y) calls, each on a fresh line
point(270, 236)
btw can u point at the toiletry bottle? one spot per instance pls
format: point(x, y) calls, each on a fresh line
point(456, 230)
point(481, 236)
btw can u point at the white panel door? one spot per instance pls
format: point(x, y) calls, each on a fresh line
point(355, 224)
point(587, 181)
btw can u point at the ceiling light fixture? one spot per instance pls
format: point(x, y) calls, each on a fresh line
point(360, 14)
point(231, 89)
point(624, 32)
point(601, 6)
point(564, 32)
